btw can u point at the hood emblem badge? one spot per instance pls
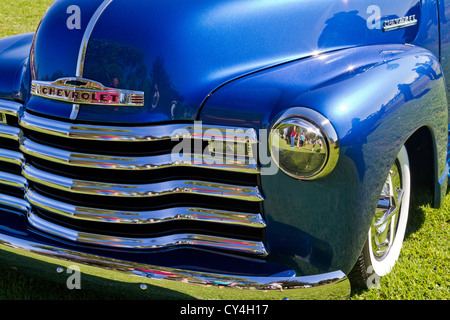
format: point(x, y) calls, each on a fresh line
point(84, 91)
point(399, 23)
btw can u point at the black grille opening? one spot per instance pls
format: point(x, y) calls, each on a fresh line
point(12, 121)
point(11, 191)
point(9, 144)
point(10, 168)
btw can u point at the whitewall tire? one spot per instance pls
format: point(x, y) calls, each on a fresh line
point(387, 231)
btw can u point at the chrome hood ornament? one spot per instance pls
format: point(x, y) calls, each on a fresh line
point(84, 91)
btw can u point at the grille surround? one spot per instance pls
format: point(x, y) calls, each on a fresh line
point(244, 229)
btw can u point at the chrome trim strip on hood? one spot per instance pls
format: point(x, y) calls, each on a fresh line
point(83, 48)
point(87, 36)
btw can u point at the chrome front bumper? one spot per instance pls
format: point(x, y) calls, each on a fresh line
point(137, 280)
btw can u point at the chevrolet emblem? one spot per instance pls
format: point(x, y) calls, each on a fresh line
point(84, 91)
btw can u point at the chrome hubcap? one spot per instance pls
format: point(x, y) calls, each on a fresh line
point(384, 225)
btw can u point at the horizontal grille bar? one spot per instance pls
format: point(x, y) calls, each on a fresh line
point(144, 217)
point(14, 202)
point(141, 190)
point(10, 108)
point(12, 157)
point(196, 240)
point(137, 133)
point(137, 163)
point(11, 133)
point(12, 180)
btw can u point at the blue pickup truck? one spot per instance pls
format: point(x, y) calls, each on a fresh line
point(213, 149)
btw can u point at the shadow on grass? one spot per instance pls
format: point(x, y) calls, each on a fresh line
point(17, 286)
point(419, 199)
point(42, 282)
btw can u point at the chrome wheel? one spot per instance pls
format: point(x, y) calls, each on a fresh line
point(385, 222)
point(385, 237)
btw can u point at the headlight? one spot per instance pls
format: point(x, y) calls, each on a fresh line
point(304, 144)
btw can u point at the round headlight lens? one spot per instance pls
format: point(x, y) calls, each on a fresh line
point(304, 144)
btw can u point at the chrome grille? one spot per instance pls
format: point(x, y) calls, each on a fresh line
point(122, 186)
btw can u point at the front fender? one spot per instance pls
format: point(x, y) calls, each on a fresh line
point(14, 53)
point(376, 97)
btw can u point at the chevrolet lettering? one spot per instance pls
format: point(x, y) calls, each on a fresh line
point(221, 149)
point(84, 91)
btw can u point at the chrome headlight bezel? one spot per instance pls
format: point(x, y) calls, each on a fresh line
point(313, 120)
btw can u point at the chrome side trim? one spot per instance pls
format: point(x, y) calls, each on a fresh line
point(11, 133)
point(138, 133)
point(144, 217)
point(129, 276)
point(143, 190)
point(12, 180)
point(12, 157)
point(136, 163)
point(177, 240)
point(16, 203)
point(10, 107)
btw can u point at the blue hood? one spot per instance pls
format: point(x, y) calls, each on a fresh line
point(179, 52)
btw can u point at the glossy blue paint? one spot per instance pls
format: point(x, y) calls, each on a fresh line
point(55, 51)
point(243, 63)
point(14, 53)
point(375, 97)
point(188, 52)
point(444, 18)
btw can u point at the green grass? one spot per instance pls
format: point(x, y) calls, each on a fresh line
point(423, 271)
point(21, 16)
